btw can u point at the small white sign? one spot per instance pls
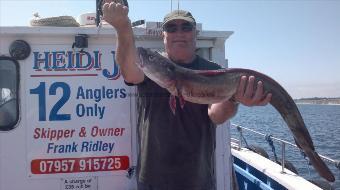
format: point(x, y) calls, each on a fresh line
point(84, 183)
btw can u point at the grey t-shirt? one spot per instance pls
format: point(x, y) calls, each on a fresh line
point(176, 151)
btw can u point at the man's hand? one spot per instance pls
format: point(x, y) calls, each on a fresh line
point(248, 96)
point(116, 14)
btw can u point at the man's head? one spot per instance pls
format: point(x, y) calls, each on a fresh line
point(179, 32)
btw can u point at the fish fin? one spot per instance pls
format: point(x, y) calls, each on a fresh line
point(180, 96)
point(181, 100)
point(172, 103)
point(320, 165)
point(210, 72)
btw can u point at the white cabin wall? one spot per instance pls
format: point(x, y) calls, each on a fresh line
point(223, 154)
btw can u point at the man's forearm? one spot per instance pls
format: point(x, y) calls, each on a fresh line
point(126, 55)
point(116, 15)
point(220, 112)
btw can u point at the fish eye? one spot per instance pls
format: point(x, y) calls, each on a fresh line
point(152, 57)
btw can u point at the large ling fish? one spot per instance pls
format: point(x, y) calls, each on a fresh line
point(212, 86)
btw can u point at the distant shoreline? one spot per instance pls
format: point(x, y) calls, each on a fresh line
point(318, 101)
point(301, 103)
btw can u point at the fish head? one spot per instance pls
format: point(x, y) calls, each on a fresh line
point(157, 67)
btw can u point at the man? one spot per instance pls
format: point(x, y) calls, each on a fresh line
point(176, 151)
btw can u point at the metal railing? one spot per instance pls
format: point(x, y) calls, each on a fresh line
point(283, 146)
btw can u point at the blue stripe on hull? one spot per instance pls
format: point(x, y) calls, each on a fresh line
point(249, 178)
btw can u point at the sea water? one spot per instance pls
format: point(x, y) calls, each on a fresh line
point(322, 121)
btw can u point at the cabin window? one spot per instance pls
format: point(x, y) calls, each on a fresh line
point(204, 52)
point(9, 89)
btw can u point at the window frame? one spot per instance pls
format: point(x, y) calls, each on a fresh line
point(13, 124)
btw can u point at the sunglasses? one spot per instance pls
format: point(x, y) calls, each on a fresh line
point(172, 28)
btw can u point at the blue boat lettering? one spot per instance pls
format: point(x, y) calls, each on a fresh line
point(67, 61)
point(115, 71)
point(75, 61)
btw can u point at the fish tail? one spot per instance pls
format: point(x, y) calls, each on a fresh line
point(320, 165)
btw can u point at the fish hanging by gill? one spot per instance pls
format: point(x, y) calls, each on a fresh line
point(213, 86)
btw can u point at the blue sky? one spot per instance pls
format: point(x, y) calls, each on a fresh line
point(295, 42)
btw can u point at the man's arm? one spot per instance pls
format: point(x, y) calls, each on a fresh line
point(245, 94)
point(116, 15)
point(220, 112)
